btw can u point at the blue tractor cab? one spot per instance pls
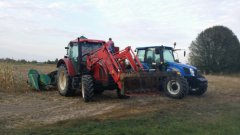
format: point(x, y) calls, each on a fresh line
point(161, 58)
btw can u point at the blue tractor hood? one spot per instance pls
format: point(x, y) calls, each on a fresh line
point(179, 67)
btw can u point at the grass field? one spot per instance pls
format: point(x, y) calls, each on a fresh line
point(30, 112)
point(217, 121)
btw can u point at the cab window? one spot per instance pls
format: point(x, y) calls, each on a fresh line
point(74, 51)
point(150, 56)
point(168, 56)
point(141, 55)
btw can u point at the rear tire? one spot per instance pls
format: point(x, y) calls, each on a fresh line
point(176, 87)
point(87, 88)
point(64, 82)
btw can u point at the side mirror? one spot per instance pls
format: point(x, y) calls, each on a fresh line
point(67, 49)
point(184, 53)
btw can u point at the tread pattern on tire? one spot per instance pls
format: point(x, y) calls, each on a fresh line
point(183, 84)
point(68, 91)
point(88, 85)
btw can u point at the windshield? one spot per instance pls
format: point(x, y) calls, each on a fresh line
point(168, 55)
point(90, 47)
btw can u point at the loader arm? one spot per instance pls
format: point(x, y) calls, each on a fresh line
point(128, 54)
point(108, 59)
point(112, 61)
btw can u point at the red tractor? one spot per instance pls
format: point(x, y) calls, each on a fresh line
point(91, 67)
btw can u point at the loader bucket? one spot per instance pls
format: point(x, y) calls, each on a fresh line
point(141, 82)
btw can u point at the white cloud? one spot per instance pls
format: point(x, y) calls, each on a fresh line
point(161, 17)
point(56, 5)
point(4, 4)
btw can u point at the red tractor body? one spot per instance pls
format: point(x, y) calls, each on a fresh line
point(92, 58)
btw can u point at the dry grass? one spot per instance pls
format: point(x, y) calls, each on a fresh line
point(216, 112)
point(217, 109)
point(7, 78)
point(13, 77)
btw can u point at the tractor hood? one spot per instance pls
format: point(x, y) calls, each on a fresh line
point(180, 67)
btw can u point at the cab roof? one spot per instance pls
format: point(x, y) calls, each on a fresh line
point(84, 39)
point(146, 47)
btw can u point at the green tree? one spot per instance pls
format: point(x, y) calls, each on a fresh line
point(216, 50)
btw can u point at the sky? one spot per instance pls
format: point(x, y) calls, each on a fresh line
point(40, 29)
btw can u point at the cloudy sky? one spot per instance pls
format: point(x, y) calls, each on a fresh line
point(40, 29)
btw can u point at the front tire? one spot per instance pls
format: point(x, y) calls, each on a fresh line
point(64, 82)
point(176, 87)
point(87, 88)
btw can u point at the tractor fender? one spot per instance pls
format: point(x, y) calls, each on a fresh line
point(69, 66)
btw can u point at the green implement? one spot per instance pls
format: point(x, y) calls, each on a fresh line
point(41, 81)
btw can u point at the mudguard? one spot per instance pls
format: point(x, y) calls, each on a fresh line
point(69, 65)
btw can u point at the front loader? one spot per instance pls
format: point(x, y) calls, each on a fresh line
point(92, 68)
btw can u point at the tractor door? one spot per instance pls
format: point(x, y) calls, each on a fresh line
point(149, 58)
point(73, 55)
point(152, 58)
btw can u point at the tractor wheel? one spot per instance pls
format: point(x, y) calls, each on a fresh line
point(64, 82)
point(176, 87)
point(198, 91)
point(87, 88)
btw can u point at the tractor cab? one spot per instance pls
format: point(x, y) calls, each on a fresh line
point(78, 48)
point(155, 57)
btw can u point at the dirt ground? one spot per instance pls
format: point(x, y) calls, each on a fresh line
point(38, 108)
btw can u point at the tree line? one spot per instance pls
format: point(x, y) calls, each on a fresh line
point(23, 61)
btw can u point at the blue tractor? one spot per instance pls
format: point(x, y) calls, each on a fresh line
point(161, 58)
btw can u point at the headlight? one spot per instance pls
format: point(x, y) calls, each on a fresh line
point(192, 72)
point(177, 71)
